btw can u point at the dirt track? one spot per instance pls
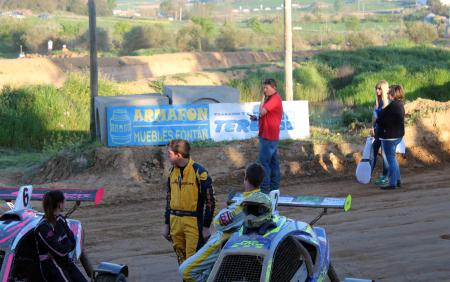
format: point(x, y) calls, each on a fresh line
point(138, 68)
point(387, 236)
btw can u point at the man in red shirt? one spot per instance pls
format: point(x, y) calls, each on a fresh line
point(270, 114)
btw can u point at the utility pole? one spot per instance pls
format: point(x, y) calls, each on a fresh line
point(93, 64)
point(288, 50)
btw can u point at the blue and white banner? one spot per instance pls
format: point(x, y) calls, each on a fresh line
point(232, 122)
point(157, 125)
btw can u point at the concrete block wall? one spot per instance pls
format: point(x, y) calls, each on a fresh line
point(201, 94)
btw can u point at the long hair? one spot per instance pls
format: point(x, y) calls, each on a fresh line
point(50, 202)
point(384, 85)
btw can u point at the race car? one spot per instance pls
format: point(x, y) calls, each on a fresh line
point(289, 251)
point(18, 253)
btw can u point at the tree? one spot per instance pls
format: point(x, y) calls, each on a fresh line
point(256, 25)
point(77, 7)
point(421, 32)
point(438, 8)
point(204, 32)
point(229, 39)
point(171, 7)
point(104, 39)
point(142, 37)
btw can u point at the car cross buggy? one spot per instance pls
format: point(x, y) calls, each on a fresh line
point(18, 253)
point(290, 251)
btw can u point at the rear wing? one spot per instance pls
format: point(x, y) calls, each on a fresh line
point(316, 202)
point(71, 194)
point(303, 201)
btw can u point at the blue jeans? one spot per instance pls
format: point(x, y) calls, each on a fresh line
point(268, 158)
point(376, 147)
point(389, 147)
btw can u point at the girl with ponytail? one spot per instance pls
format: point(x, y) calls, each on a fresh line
point(55, 241)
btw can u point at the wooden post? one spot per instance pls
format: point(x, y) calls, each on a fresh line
point(288, 50)
point(93, 64)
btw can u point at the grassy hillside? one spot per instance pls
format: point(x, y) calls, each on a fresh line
point(350, 77)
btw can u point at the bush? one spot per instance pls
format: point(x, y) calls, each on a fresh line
point(104, 39)
point(77, 7)
point(44, 117)
point(36, 37)
point(229, 39)
point(359, 114)
point(310, 84)
point(70, 30)
point(256, 25)
point(360, 40)
point(119, 30)
point(351, 23)
point(420, 32)
point(250, 87)
point(143, 37)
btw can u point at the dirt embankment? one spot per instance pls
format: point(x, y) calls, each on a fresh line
point(53, 70)
point(127, 172)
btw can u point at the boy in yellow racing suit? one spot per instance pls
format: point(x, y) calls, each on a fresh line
point(190, 202)
point(198, 267)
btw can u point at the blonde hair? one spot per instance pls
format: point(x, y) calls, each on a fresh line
point(384, 85)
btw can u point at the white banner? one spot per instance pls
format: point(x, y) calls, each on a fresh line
point(230, 121)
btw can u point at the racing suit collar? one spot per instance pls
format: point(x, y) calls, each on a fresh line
point(251, 192)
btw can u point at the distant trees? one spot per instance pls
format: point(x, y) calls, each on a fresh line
point(142, 37)
point(230, 38)
point(171, 7)
point(104, 7)
point(198, 35)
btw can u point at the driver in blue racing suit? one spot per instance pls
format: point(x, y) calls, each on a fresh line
point(198, 267)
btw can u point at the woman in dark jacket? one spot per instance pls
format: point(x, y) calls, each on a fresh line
point(55, 241)
point(391, 123)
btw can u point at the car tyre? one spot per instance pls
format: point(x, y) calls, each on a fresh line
point(111, 278)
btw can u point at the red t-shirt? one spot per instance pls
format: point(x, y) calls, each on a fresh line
point(269, 125)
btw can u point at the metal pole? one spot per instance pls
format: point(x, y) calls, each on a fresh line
point(288, 50)
point(93, 64)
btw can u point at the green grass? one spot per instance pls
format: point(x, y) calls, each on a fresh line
point(422, 71)
point(17, 159)
point(310, 83)
point(46, 118)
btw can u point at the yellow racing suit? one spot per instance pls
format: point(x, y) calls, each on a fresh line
point(190, 205)
point(198, 267)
